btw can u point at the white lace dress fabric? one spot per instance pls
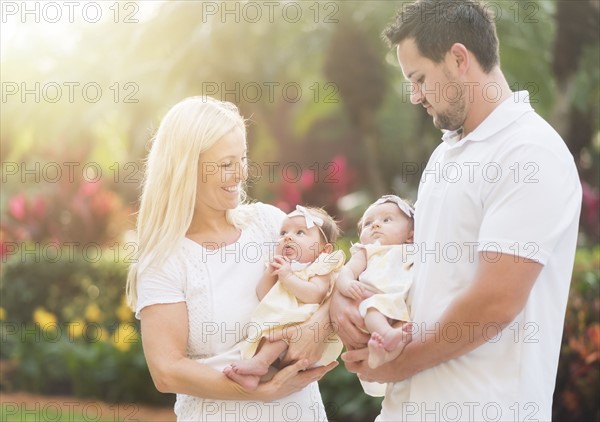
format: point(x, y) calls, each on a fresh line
point(218, 287)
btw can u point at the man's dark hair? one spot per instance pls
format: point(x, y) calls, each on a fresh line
point(436, 25)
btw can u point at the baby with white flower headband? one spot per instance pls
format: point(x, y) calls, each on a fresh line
point(297, 281)
point(379, 274)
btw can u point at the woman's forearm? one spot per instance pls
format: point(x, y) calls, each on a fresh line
point(186, 376)
point(165, 338)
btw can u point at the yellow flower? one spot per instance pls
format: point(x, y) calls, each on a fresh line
point(75, 329)
point(124, 313)
point(44, 318)
point(102, 333)
point(93, 313)
point(124, 336)
point(2, 314)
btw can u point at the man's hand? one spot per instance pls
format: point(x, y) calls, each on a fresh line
point(350, 325)
point(356, 362)
point(398, 369)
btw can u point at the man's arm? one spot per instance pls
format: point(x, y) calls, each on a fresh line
point(346, 318)
point(497, 294)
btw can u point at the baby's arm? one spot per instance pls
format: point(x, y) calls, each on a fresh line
point(347, 282)
point(266, 282)
point(311, 291)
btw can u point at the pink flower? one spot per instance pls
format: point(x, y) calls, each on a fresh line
point(307, 179)
point(17, 206)
point(340, 176)
point(89, 188)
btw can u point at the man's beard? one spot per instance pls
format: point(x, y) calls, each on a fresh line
point(454, 117)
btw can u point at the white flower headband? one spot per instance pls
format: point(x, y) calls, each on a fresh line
point(404, 207)
point(311, 219)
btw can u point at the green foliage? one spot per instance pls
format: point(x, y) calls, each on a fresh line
point(344, 398)
point(578, 378)
point(65, 288)
point(100, 364)
point(68, 330)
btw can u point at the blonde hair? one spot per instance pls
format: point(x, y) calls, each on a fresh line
point(169, 187)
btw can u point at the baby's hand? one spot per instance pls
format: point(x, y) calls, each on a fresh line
point(272, 267)
point(354, 290)
point(282, 267)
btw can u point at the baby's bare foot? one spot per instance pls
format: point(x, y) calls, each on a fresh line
point(396, 339)
point(249, 382)
point(383, 349)
point(377, 352)
point(250, 367)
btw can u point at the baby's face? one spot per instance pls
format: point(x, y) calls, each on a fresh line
point(386, 223)
point(297, 242)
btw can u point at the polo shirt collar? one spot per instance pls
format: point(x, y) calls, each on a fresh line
point(502, 116)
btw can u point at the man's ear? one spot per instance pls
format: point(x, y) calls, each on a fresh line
point(328, 248)
point(459, 56)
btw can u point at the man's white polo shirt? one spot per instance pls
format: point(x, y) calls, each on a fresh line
point(510, 186)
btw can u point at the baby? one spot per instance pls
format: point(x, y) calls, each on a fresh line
point(297, 281)
point(380, 264)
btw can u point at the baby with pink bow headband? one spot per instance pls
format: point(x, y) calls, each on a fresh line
point(379, 274)
point(297, 281)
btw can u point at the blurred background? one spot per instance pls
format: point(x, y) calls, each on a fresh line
point(85, 84)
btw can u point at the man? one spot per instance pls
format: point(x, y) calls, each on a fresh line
point(495, 229)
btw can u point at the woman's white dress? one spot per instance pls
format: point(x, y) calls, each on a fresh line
point(219, 288)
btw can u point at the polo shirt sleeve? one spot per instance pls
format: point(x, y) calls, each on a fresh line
point(528, 209)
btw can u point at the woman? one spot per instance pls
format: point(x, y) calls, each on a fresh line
point(201, 254)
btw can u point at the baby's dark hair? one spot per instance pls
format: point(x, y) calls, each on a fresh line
point(330, 228)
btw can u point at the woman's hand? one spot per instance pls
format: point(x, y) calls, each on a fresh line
point(291, 379)
point(308, 339)
point(350, 325)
